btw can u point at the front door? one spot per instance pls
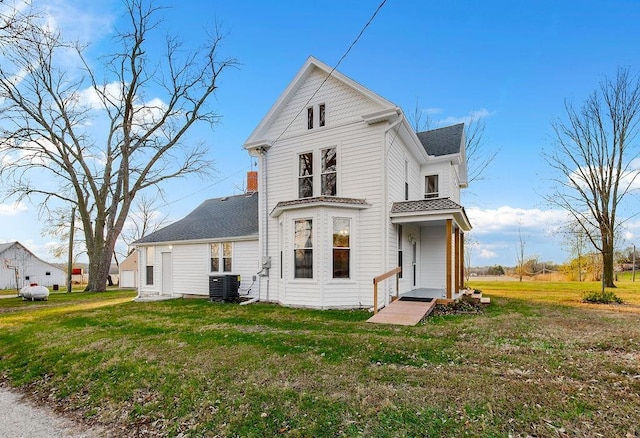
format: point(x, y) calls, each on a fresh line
point(166, 274)
point(414, 262)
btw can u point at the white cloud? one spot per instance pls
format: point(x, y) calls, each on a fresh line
point(487, 254)
point(472, 116)
point(13, 209)
point(77, 22)
point(90, 97)
point(507, 218)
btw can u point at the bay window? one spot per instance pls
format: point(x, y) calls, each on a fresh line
point(303, 248)
point(341, 247)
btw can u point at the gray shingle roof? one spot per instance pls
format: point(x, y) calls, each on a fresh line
point(425, 205)
point(442, 141)
point(219, 218)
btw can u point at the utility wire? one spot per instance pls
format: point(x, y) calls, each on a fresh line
point(332, 70)
point(302, 109)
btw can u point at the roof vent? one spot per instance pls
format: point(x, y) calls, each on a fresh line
point(224, 199)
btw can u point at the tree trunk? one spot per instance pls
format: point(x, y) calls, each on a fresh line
point(607, 263)
point(100, 257)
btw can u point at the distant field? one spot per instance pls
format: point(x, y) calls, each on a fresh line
point(537, 362)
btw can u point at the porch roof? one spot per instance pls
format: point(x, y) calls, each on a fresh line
point(429, 210)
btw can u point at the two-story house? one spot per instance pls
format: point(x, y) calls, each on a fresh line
point(347, 191)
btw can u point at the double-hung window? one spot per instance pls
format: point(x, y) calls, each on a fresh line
point(303, 248)
point(329, 171)
point(305, 175)
point(150, 255)
point(341, 247)
point(221, 251)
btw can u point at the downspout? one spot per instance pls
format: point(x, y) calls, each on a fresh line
point(385, 199)
point(263, 154)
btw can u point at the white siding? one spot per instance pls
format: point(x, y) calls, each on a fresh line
point(191, 269)
point(246, 263)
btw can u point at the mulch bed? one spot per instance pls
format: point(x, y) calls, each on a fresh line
point(464, 306)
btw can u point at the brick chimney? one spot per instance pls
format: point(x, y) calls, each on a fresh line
point(252, 181)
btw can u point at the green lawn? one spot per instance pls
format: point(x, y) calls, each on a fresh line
point(536, 362)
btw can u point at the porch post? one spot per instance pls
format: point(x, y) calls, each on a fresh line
point(456, 269)
point(461, 259)
point(448, 256)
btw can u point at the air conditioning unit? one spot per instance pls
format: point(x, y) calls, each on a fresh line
point(223, 287)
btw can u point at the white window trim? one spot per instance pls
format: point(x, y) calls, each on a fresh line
point(221, 258)
point(439, 186)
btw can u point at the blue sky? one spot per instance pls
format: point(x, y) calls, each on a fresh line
point(513, 62)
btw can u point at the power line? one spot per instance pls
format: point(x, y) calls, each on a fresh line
point(333, 69)
point(166, 204)
point(303, 107)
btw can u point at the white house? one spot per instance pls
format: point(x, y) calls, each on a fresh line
point(347, 192)
point(21, 266)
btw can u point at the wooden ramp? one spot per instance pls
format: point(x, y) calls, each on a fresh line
point(401, 312)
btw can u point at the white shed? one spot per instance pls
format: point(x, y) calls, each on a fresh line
point(128, 271)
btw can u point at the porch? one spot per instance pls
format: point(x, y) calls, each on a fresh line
point(433, 230)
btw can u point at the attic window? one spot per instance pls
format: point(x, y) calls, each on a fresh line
point(310, 117)
point(431, 187)
point(47, 273)
point(316, 118)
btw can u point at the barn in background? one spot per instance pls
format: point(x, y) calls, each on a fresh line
point(20, 267)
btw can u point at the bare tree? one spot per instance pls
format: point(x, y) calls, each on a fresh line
point(520, 261)
point(478, 156)
point(575, 241)
point(144, 219)
point(56, 145)
point(593, 154)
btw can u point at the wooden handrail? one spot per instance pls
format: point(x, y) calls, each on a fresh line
point(380, 278)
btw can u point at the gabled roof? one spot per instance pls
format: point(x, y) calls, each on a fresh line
point(443, 141)
point(6, 246)
point(256, 138)
point(425, 210)
point(214, 219)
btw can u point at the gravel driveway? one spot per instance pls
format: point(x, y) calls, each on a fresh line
point(20, 418)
